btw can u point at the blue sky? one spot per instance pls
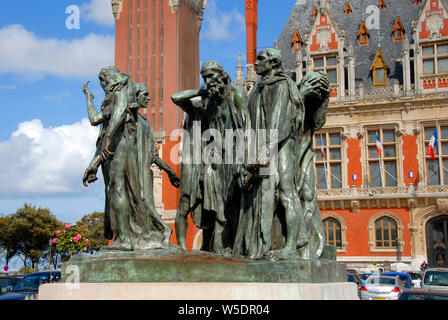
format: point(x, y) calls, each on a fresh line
point(46, 141)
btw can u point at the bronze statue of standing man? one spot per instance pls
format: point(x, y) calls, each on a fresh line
point(207, 182)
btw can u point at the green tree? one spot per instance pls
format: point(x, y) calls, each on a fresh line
point(31, 230)
point(8, 238)
point(94, 223)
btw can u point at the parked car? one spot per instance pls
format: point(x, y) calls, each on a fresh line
point(435, 279)
point(404, 277)
point(353, 277)
point(365, 275)
point(8, 283)
point(416, 279)
point(28, 286)
point(381, 287)
point(421, 294)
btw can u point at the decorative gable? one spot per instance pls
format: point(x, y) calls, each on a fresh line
point(398, 30)
point(323, 34)
point(433, 21)
point(363, 34)
point(297, 41)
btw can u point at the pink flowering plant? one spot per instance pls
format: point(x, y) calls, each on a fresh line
point(71, 239)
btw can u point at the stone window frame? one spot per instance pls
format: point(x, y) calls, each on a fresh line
point(341, 221)
point(434, 56)
point(372, 235)
point(398, 152)
point(343, 147)
point(422, 147)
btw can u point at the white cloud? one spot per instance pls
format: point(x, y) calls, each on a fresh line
point(24, 53)
point(98, 11)
point(220, 25)
point(39, 161)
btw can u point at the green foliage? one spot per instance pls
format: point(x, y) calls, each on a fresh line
point(94, 223)
point(27, 232)
point(71, 239)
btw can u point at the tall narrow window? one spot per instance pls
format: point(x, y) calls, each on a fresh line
point(382, 158)
point(328, 160)
point(333, 232)
point(386, 233)
point(437, 162)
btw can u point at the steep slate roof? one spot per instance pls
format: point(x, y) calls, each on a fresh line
point(301, 19)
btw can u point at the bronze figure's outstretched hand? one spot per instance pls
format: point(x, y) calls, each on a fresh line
point(86, 90)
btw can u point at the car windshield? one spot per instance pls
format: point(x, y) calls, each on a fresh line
point(404, 279)
point(31, 282)
point(415, 276)
point(381, 280)
point(436, 278)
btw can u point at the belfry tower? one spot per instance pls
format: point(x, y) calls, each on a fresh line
point(157, 43)
point(251, 43)
point(251, 30)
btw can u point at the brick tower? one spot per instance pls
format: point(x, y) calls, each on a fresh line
point(251, 30)
point(157, 43)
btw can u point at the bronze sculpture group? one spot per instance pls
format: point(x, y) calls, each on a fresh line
point(252, 192)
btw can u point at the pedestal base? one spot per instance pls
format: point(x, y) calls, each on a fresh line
point(199, 291)
point(173, 266)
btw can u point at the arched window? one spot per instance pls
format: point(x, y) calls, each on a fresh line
point(386, 233)
point(333, 232)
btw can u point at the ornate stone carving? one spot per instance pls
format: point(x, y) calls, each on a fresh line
point(117, 7)
point(442, 205)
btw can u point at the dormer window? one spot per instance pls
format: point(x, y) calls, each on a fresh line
point(363, 35)
point(398, 30)
point(379, 69)
point(315, 12)
point(348, 8)
point(297, 41)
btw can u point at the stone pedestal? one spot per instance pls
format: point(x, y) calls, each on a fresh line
point(174, 266)
point(169, 274)
point(197, 291)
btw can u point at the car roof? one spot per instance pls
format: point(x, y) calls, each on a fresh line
point(45, 272)
point(437, 269)
point(396, 273)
